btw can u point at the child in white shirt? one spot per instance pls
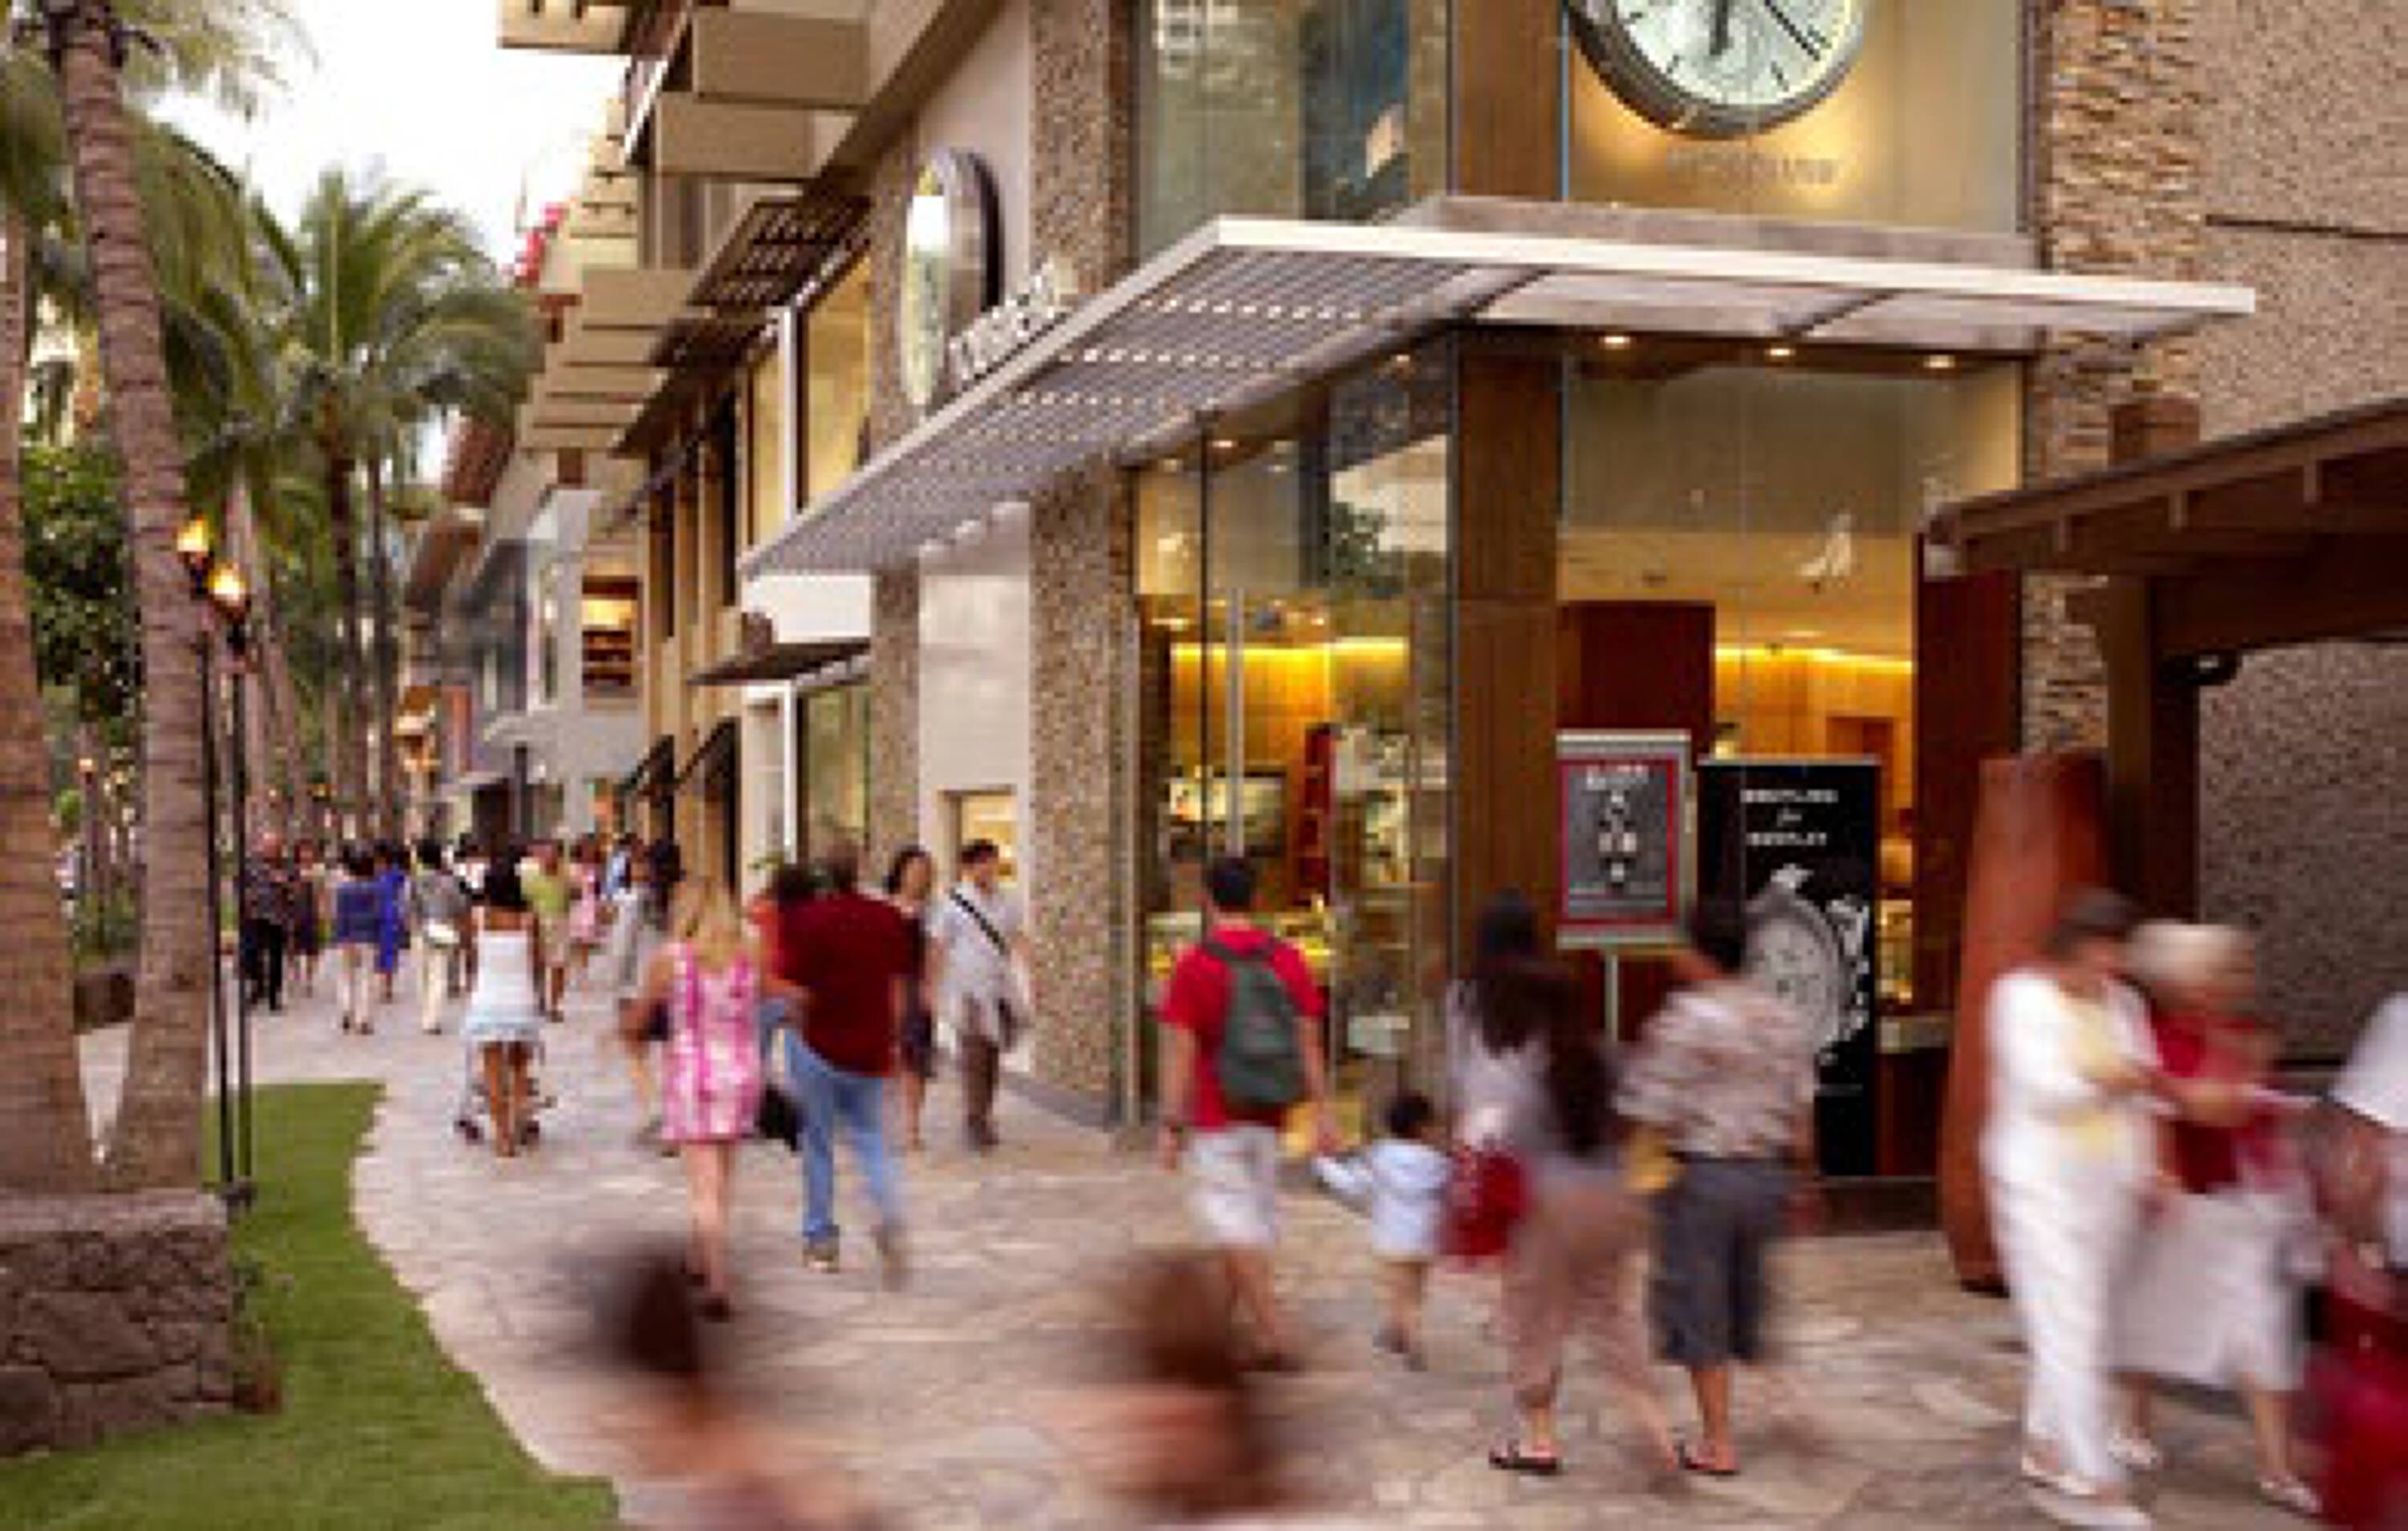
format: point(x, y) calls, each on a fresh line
point(1402, 1179)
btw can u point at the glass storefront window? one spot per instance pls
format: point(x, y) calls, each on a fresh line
point(836, 385)
point(1922, 123)
point(1296, 704)
point(1328, 109)
point(835, 726)
point(1753, 527)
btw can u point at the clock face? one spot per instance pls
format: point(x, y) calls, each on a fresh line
point(1720, 69)
point(1793, 953)
point(948, 268)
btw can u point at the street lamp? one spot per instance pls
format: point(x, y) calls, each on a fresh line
point(195, 549)
point(229, 596)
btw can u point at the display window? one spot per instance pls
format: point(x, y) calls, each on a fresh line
point(834, 728)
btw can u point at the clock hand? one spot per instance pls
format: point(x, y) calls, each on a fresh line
point(1721, 28)
point(1810, 41)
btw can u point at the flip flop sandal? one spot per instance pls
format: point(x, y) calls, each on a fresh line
point(1691, 1461)
point(1510, 1457)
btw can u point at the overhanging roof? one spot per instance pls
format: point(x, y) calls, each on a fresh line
point(780, 662)
point(1245, 310)
point(2284, 536)
point(712, 762)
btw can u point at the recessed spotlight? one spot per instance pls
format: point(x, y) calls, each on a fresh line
point(1943, 362)
point(1171, 464)
point(1779, 353)
point(1615, 342)
point(1223, 443)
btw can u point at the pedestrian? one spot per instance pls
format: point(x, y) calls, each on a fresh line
point(2212, 1298)
point(550, 895)
point(585, 908)
point(2362, 1385)
point(1725, 1075)
point(268, 896)
point(392, 913)
point(359, 931)
point(1241, 1028)
point(706, 977)
point(790, 886)
point(1534, 1086)
point(503, 1020)
point(846, 952)
point(309, 906)
point(1401, 1181)
point(2069, 1153)
point(441, 931)
point(639, 924)
point(616, 871)
point(978, 959)
point(911, 882)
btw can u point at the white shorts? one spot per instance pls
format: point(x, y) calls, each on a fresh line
point(1234, 1173)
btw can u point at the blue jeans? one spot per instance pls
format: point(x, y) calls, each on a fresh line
point(829, 1096)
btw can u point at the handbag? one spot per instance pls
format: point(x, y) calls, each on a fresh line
point(1485, 1198)
point(779, 1118)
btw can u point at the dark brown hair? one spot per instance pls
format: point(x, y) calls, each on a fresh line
point(1522, 997)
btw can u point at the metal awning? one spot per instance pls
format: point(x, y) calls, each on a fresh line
point(780, 662)
point(1246, 309)
point(780, 241)
point(714, 764)
point(652, 773)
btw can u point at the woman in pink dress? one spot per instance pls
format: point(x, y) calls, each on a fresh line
point(585, 912)
point(705, 979)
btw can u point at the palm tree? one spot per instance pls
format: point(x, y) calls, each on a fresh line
point(157, 1136)
point(391, 317)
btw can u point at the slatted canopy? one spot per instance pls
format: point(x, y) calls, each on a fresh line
point(1246, 309)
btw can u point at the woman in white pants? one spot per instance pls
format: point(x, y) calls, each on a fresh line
point(2070, 1154)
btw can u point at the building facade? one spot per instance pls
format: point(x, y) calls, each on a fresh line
point(1276, 426)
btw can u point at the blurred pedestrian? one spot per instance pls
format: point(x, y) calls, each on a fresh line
point(1241, 1025)
point(359, 935)
point(392, 914)
point(2361, 1384)
point(1401, 1181)
point(504, 1022)
point(309, 914)
point(640, 922)
point(2069, 1153)
point(911, 883)
point(1534, 1086)
point(269, 897)
point(705, 979)
point(978, 970)
point(584, 910)
point(550, 895)
point(441, 931)
point(1725, 1076)
point(2212, 1298)
point(847, 952)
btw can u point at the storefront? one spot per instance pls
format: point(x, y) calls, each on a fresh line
point(1423, 433)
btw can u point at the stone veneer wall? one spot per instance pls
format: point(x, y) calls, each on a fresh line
point(116, 1314)
point(1082, 689)
point(2116, 152)
point(2310, 208)
point(895, 608)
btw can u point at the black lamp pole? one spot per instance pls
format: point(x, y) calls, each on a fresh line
point(193, 546)
point(232, 603)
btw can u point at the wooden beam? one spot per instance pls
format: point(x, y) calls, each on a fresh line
point(2347, 588)
point(2152, 753)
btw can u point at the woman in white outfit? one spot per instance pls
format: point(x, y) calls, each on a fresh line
point(505, 1019)
point(2069, 1153)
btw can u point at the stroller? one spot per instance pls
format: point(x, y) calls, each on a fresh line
point(474, 1115)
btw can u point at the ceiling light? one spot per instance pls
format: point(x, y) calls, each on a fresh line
point(1171, 464)
point(1940, 362)
point(1779, 353)
point(1223, 443)
point(1615, 342)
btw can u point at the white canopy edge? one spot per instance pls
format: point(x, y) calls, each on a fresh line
point(1246, 308)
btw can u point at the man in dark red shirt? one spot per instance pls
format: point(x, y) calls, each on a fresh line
point(1232, 1152)
point(848, 954)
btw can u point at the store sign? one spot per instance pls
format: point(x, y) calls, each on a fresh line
point(999, 334)
point(1624, 807)
point(950, 264)
point(1799, 841)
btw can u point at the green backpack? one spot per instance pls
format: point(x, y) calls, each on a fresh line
point(1261, 1059)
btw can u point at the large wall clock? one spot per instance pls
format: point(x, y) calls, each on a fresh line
point(1720, 69)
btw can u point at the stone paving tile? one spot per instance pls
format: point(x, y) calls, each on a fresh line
point(953, 1403)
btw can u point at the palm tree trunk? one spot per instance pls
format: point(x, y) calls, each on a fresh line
point(44, 1138)
point(273, 748)
point(350, 746)
point(157, 1139)
point(386, 655)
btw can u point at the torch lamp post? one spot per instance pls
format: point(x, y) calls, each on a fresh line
point(193, 546)
point(229, 597)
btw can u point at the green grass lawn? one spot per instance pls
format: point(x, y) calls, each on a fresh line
point(378, 1427)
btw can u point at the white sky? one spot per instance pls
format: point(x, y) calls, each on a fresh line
point(421, 89)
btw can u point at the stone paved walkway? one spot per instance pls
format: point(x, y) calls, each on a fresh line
point(948, 1402)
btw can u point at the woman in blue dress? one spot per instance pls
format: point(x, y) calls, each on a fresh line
point(393, 913)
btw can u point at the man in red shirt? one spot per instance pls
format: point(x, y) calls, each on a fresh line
point(849, 954)
point(1232, 1150)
